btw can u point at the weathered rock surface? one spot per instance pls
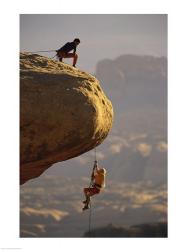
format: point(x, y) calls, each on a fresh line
point(63, 113)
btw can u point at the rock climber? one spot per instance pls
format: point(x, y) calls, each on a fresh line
point(63, 52)
point(98, 182)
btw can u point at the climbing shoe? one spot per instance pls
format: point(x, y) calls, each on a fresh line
point(85, 207)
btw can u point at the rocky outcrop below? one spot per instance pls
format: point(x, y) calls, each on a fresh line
point(149, 230)
point(63, 114)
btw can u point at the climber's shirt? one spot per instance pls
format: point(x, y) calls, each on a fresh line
point(68, 47)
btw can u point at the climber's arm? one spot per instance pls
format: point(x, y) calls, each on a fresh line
point(95, 171)
point(96, 168)
point(74, 50)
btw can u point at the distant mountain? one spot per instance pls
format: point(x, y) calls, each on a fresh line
point(152, 230)
point(134, 81)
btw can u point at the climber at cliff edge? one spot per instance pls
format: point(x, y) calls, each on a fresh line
point(98, 183)
point(63, 52)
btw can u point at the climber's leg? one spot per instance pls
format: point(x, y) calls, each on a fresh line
point(72, 55)
point(88, 192)
point(61, 55)
point(87, 195)
point(75, 59)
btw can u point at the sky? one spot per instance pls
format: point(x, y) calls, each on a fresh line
point(102, 35)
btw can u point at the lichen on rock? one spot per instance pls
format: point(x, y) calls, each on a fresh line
point(63, 113)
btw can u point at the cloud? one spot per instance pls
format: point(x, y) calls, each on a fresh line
point(118, 139)
point(162, 146)
point(100, 155)
point(144, 149)
point(54, 213)
point(117, 143)
point(161, 208)
point(116, 148)
point(83, 160)
point(135, 137)
point(41, 227)
point(144, 198)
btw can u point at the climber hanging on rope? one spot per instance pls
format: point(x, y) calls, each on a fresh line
point(63, 52)
point(96, 184)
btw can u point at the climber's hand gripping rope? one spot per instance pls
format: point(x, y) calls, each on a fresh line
point(93, 171)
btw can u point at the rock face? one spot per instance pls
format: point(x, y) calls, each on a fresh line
point(63, 113)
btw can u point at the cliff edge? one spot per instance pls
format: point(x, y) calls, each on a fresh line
point(63, 114)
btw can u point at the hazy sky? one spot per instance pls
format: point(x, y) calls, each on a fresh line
point(102, 36)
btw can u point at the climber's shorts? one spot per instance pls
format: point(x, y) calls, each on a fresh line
point(61, 53)
point(91, 191)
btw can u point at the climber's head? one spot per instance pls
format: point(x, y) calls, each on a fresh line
point(102, 171)
point(77, 41)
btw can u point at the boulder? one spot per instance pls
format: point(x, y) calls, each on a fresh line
point(63, 114)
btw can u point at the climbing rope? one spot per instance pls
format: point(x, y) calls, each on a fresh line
point(52, 57)
point(41, 51)
point(90, 212)
point(90, 217)
point(95, 155)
